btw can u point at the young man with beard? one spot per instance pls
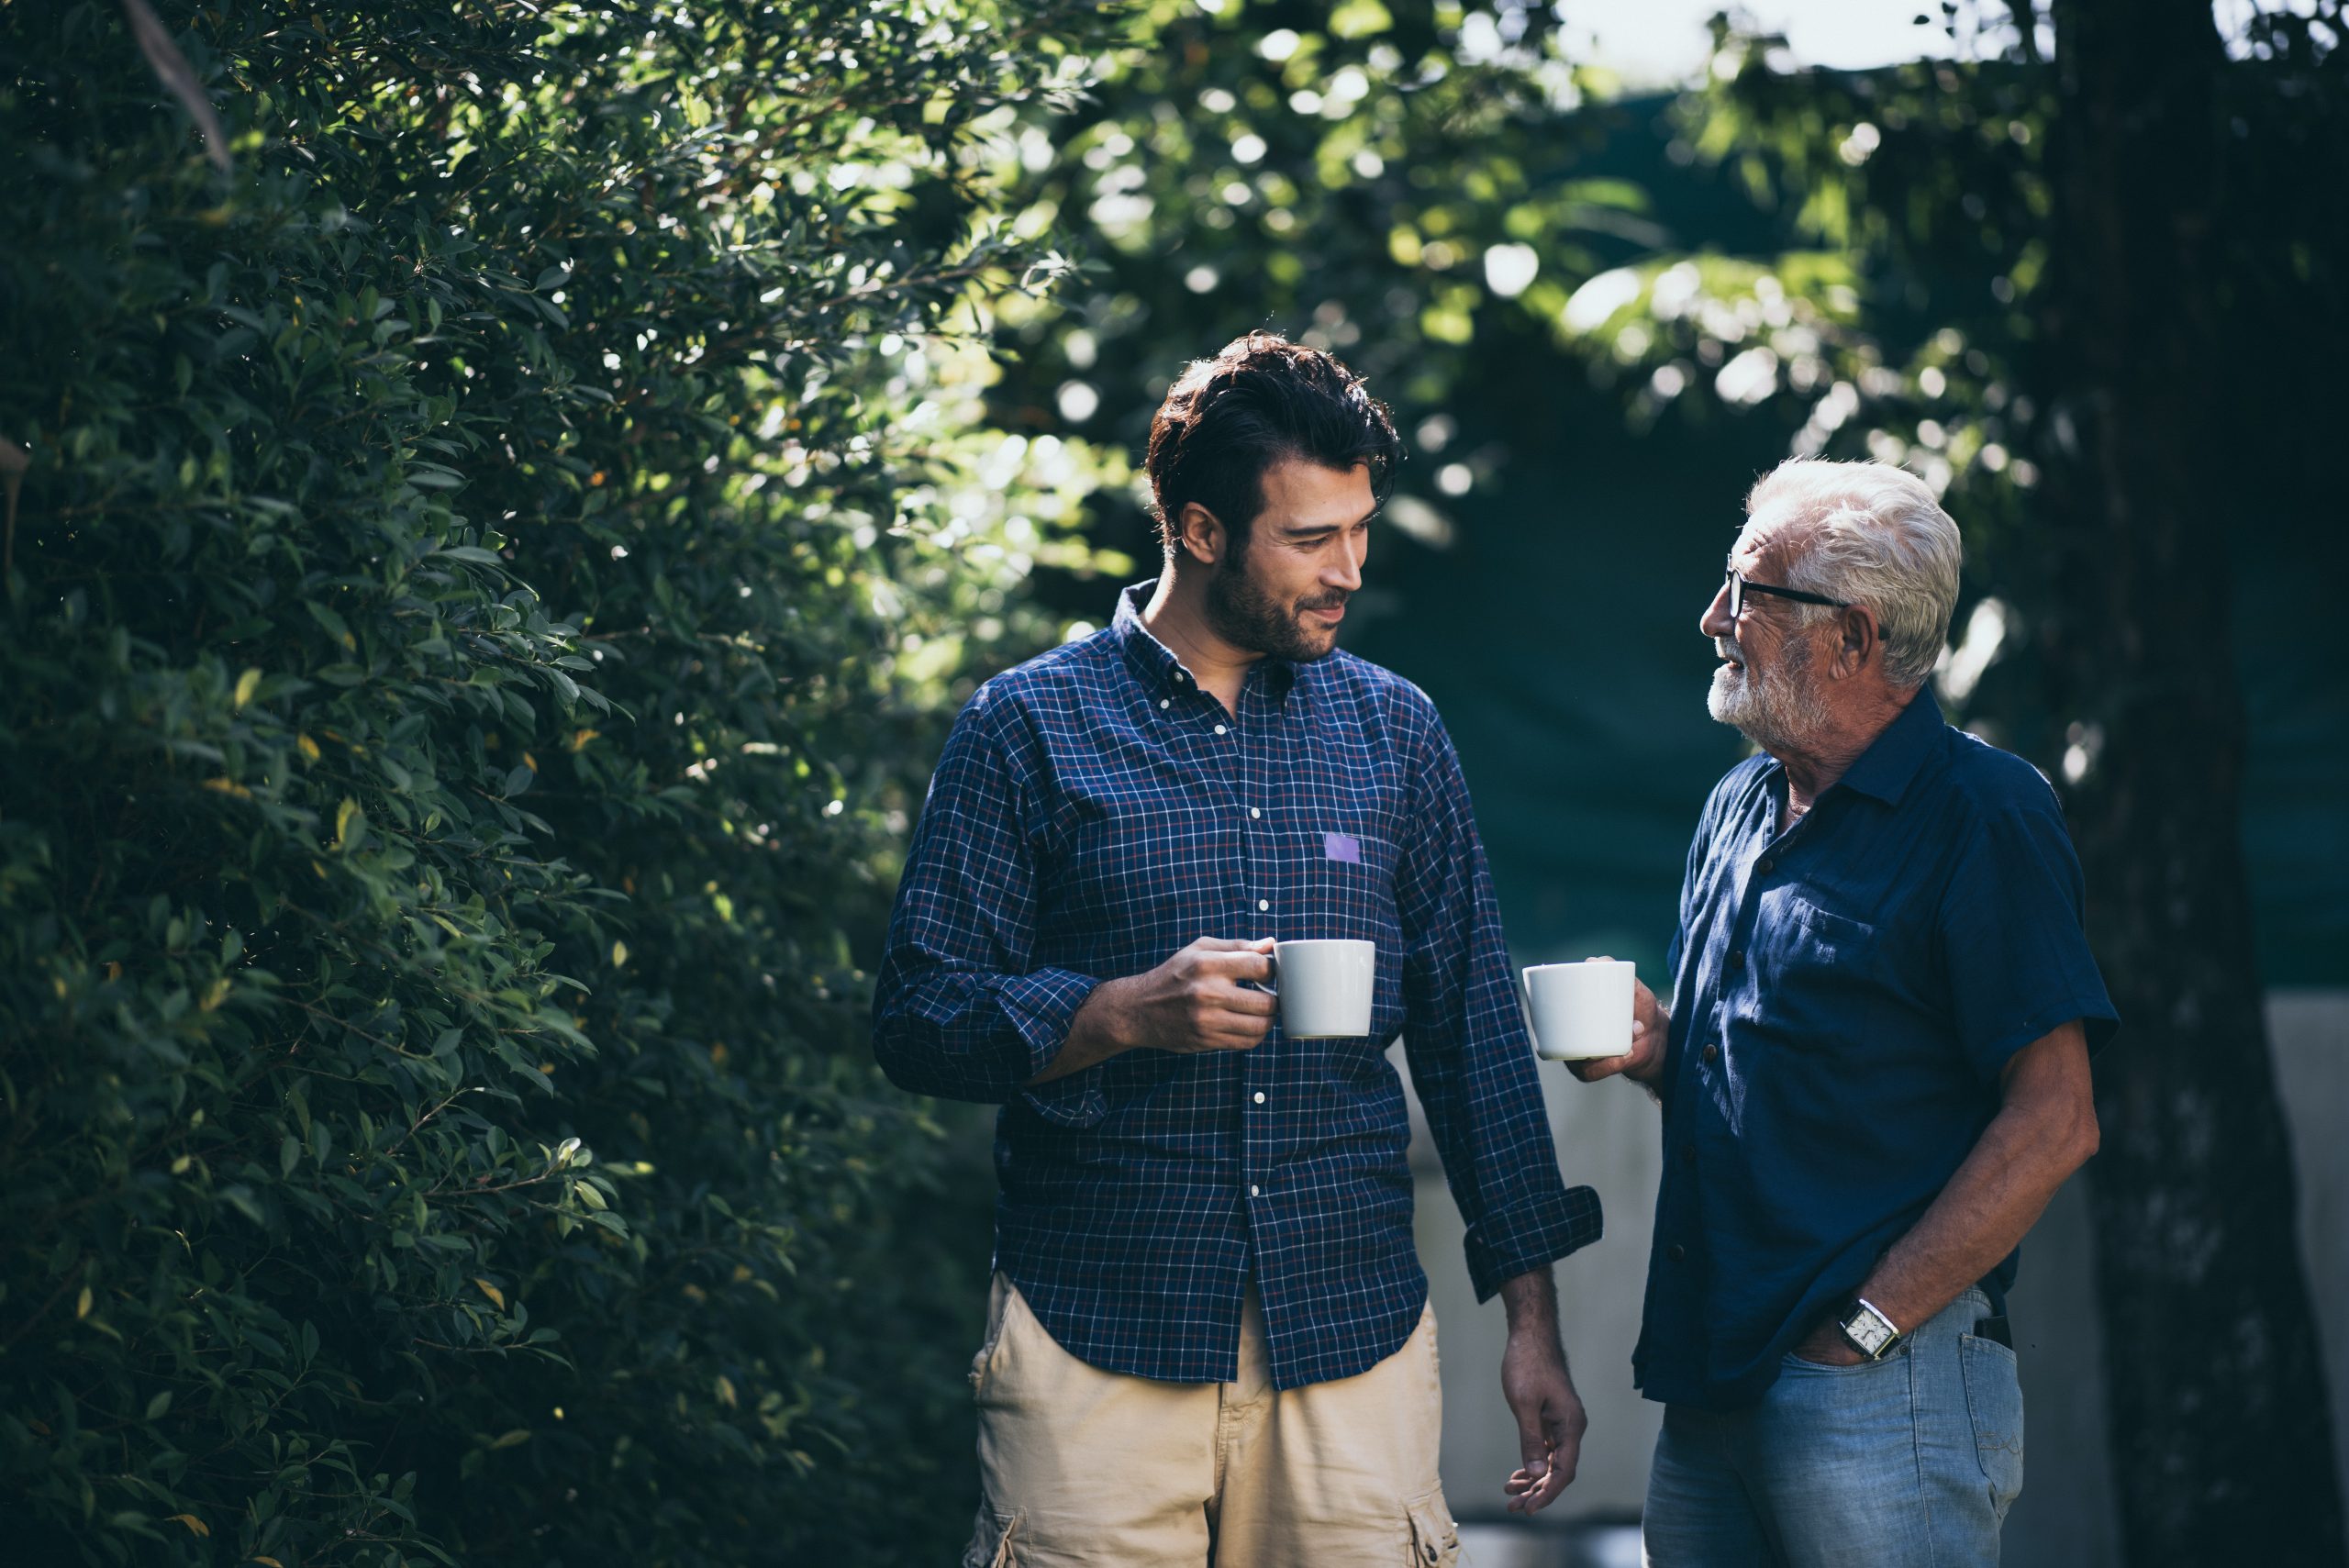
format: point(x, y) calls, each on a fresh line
point(1209, 1337)
point(1874, 1072)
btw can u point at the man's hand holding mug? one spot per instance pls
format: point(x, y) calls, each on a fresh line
point(1194, 1001)
point(1645, 1062)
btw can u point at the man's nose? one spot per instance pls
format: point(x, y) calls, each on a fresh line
point(1715, 622)
point(1348, 573)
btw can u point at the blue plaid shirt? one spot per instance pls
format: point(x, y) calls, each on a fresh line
point(1095, 812)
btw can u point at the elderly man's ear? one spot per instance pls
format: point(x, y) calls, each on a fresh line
point(1857, 639)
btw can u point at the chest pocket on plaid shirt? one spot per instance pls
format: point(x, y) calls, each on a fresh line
point(1338, 883)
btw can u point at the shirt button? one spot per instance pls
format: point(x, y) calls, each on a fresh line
point(1260, 1096)
point(1712, 1052)
point(1254, 1191)
point(1262, 904)
point(1165, 702)
point(1254, 811)
point(1765, 865)
point(1736, 959)
point(1677, 1252)
point(1219, 729)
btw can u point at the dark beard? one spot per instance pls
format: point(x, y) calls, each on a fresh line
point(1246, 617)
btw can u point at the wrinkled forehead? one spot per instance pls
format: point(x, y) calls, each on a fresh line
point(1771, 539)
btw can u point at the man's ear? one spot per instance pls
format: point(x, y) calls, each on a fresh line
point(1858, 638)
point(1199, 536)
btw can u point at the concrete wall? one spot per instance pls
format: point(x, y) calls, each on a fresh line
point(1607, 1138)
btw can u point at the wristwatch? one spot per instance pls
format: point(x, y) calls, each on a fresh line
point(1869, 1331)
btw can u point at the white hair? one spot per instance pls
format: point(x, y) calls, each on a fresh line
point(1870, 534)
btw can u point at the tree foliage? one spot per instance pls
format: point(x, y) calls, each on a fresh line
point(488, 572)
point(1400, 183)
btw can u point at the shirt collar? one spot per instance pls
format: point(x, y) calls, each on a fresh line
point(1156, 665)
point(1883, 770)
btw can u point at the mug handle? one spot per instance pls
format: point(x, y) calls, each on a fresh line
point(1270, 983)
point(1525, 1000)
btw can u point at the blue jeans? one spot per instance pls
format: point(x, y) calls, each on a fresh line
point(1906, 1463)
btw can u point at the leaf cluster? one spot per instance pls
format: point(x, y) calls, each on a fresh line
point(487, 577)
point(1906, 314)
point(1401, 183)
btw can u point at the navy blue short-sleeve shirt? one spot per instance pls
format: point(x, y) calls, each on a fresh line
point(1845, 995)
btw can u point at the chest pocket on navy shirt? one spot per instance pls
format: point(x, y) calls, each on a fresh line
point(1821, 976)
point(1823, 937)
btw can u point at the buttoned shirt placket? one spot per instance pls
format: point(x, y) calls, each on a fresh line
point(1711, 1045)
point(1238, 745)
point(1753, 877)
point(1264, 726)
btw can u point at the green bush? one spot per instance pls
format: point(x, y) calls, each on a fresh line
point(488, 574)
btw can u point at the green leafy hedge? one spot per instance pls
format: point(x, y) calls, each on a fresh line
point(489, 568)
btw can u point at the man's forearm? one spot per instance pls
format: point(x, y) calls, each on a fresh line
point(1997, 1196)
point(1531, 1301)
point(1100, 1030)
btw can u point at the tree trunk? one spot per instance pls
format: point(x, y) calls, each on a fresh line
point(2221, 1440)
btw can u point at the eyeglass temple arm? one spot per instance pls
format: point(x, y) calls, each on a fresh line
point(1795, 593)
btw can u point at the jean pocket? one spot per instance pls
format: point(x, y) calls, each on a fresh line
point(1896, 1356)
point(1994, 1403)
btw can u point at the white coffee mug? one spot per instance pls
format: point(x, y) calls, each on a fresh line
point(1325, 988)
point(1578, 1011)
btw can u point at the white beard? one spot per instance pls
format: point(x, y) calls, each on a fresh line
point(1777, 708)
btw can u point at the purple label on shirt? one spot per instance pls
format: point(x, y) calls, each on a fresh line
point(1342, 846)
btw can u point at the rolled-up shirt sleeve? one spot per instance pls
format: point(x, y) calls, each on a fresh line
point(958, 1011)
point(1465, 1036)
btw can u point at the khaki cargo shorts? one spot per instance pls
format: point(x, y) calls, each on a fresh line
point(1081, 1468)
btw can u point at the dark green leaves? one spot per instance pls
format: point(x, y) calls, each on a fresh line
point(543, 504)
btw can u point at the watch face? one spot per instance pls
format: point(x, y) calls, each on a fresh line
point(1867, 1331)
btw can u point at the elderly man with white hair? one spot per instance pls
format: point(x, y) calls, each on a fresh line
point(1874, 1070)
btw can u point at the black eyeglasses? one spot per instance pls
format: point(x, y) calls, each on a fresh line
point(1739, 587)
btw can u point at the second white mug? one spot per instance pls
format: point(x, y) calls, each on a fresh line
point(1578, 1011)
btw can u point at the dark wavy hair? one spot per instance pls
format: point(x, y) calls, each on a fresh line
point(1261, 400)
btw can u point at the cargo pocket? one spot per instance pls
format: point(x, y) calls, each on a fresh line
point(994, 1540)
point(1994, 1402)
point(1435, 1539)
